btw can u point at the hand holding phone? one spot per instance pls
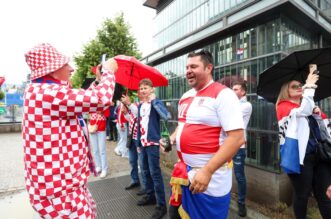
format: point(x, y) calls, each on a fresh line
point(313, 69)
point(312, 76)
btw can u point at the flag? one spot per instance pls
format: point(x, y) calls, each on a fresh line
point(240, 51)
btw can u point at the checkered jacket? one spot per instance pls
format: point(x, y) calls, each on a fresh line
point(56, 149)
point(132, 118)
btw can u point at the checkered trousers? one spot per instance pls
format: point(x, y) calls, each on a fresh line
point(78, 204)
point(55, 148)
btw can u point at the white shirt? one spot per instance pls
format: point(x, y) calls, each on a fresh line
point(246, 109)
point(204, 116)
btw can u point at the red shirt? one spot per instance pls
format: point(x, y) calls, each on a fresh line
point(100, 119)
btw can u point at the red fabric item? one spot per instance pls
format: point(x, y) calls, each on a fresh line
point(44, 59)
point(120, 116)
point(100, 119)
point(323, 115)
point(94, 69)
point(284, 108)
point(178, 179)
point(2, 80)
point(131, 71)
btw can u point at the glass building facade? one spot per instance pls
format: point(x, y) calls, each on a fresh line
point(243, 53)
point(183, 17)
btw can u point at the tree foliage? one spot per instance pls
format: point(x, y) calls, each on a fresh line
point(113, 38)
point(2, 95)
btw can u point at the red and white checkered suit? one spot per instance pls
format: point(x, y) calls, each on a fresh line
point(56, 161)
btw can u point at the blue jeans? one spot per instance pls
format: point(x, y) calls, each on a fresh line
point(239, 171)
point(152, 172)
point(134, 158)
point(98, 145)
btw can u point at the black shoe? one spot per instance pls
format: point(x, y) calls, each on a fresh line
point(242, 210)
point(159, 212)
point(146, 201)
point(132, 185)
point(141, 192)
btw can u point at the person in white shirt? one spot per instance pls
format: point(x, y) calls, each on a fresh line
point(240, 88)
point(209, 133)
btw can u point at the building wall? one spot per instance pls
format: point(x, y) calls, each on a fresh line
point(244, 55)
point(266, 187)
point(185, 16)
point(245, 38)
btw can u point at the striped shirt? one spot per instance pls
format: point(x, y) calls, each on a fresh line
point(204, 116)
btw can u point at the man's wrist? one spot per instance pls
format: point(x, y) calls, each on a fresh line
point(208, 169)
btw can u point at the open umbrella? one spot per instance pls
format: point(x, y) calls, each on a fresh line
point(295, 67)
point(131, 71)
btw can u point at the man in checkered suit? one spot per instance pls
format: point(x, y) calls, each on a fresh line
point(56, 152)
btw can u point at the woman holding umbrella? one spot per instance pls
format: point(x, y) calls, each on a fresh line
point(298, 128)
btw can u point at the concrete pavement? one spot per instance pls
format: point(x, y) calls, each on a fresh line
point(14, 202)
point(11, 162)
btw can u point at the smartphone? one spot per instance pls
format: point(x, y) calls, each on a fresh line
point(313, 68)
point(102, 61)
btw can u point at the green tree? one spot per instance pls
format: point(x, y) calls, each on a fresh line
point(2, 94)
point(113, 38)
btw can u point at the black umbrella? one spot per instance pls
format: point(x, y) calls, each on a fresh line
point(119, 89)
point(295, 67)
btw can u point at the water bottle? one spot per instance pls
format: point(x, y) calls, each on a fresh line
point(166, 140)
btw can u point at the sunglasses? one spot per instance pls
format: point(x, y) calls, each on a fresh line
point(296, 86)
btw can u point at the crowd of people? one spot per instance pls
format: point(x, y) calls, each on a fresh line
point(61, 150)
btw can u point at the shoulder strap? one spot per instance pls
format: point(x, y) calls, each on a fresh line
point(311, 131)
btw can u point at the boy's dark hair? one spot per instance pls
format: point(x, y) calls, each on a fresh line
point(242, 85)
point(205, 56)
point(146, 81)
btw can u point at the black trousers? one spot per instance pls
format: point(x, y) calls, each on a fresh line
point(111, 130)
point(315, 176)
point(173, 212)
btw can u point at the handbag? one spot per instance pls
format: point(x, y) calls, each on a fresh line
point(130, 136)
point(323, 149)
point(93, 128)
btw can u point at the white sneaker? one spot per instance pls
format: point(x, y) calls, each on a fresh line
point(103, 174)
point(98, 169)
point(117, 153)
point(125, 155)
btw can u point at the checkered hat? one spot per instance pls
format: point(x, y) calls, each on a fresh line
point(44, 59)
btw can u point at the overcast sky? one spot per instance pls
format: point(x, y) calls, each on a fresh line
point(67, 24)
